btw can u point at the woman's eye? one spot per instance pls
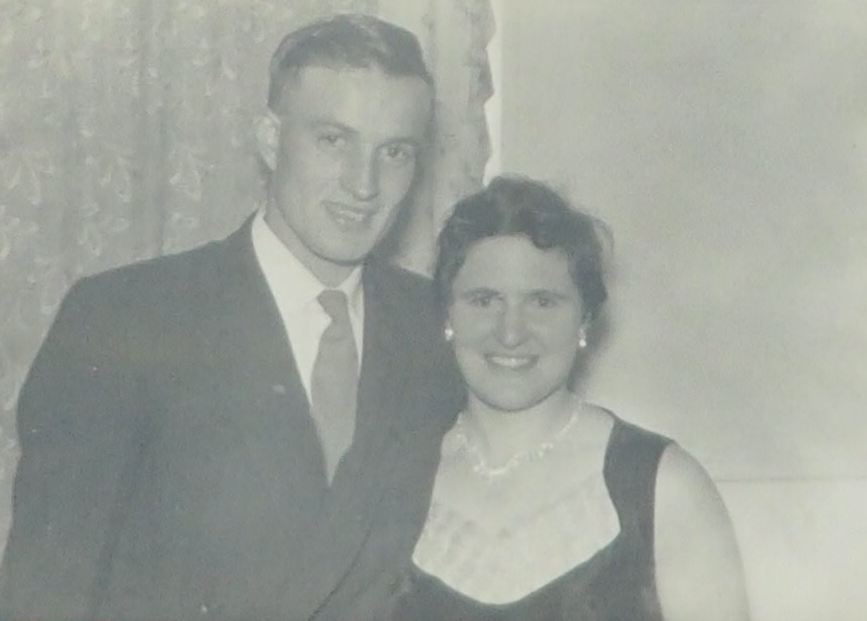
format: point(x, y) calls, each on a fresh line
point(545, 300)
point(482, 300)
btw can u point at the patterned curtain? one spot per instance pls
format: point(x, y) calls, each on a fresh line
point(125, 133)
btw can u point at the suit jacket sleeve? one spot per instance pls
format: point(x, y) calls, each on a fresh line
point(78, 429)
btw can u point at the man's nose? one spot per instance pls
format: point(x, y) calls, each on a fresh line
point(361, 176)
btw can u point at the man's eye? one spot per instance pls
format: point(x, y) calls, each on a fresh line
point(398, 153)
point(331, 140)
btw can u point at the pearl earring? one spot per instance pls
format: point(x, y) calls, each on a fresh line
point(448, 333)
point(582, 341)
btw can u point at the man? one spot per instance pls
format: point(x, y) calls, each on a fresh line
point(185, 452)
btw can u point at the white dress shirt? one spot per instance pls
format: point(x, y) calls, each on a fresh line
point(295, 290)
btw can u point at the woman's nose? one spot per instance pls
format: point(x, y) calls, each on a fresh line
point(512, 327)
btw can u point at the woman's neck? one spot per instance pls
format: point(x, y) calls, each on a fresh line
point(500, 435)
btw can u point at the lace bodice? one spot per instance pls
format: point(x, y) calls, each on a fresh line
point(550, 529)
point(604, 570)
point(506, 564)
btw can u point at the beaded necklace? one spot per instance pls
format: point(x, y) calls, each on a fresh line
point(480, 465)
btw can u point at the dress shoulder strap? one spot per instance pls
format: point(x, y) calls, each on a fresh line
point(631, 463)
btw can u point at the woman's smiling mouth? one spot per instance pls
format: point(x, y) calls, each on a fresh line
point(514, 363)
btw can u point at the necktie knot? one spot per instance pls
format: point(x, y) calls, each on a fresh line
point(334, 303)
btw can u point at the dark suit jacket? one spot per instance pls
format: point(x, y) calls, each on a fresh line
point(170, 469)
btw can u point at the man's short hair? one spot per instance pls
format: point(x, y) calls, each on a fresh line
point(346, 41)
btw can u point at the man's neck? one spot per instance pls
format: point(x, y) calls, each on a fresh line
point(329, 273)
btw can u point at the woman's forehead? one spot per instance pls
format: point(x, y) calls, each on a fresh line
point(514, 262)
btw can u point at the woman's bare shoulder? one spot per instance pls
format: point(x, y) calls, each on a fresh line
point(698, 566)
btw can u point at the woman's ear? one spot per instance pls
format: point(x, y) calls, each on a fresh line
point(448, 326)
point(584, 330)
point(448, 332)
point(267, 130)
point(582, 337)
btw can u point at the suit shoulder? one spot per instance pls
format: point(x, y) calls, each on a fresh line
point(151, 292)
point(401, 274)
point(159, 272)
point(411, 287)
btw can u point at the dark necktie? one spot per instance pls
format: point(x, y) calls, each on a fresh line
point(334, 384)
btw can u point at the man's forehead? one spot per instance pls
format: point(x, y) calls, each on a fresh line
point(341, 76)
point(362, 98)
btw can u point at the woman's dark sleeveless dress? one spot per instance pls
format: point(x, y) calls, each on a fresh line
point(616, 584)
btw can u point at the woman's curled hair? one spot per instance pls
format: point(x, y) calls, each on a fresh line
point(513, 205)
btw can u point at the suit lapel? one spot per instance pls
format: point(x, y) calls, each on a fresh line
point(253, 336)
point(271, 415)
point(383, 368)
point(279, 435)
point(275, 425)
point(350, 509)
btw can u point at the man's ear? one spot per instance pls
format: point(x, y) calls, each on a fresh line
point(267, 130)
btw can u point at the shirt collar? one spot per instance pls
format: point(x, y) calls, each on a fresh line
point(292, 283)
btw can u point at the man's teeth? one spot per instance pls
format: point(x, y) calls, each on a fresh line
point(345, 214)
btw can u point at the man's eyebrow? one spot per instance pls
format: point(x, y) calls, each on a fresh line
point(410, 140)
point(325, 122)
point(319, 123)
point(481, 289)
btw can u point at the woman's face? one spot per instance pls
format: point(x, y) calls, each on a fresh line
point(517, 317)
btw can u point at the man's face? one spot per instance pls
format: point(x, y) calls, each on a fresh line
point(346, 152)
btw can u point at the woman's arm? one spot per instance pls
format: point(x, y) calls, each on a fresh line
point(699, 574)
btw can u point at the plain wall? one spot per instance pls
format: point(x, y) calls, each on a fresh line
point(725, 143)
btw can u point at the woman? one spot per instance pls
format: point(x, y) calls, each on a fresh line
point(546, 507)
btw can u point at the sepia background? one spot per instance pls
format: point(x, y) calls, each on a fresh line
point(724, 141)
